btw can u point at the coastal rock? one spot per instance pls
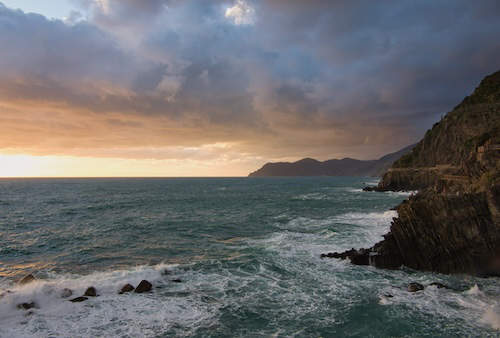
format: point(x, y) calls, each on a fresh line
point(27, 306)
point(414, 287)
point(65, 293)
point(127, 288)
point(357, 257)
point(452, 225)
point(90, 292)
point(144, 286)
point(27, 279)
point(78, 299)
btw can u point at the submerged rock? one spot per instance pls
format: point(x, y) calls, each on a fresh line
point(65, 293)
point(78, 299)
point(371, 188)
point(414, 287)
point(90, 292)
point(27, 306)
point(439, 285)
point(144, 286)
point(126, 288)
point(27, 279)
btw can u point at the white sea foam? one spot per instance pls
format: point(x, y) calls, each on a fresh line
point(366, 228)
point(109, 314)
point(354, 190)
point(491, 316)
point(312, 196)
point(474, 291)
point(472, 306)
point(367, 219)
point(402, 193)
point(345, 231)
point(373, 182)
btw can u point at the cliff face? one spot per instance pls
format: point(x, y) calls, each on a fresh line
point(343, 167)
point(453, 224)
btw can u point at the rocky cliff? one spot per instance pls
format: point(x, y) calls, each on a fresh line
point(343, 167)
point(453, 224)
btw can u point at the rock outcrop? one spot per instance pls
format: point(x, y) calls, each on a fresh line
point(414, 287)
point(144, 286)
point(90, 292)
point(126, 288)
point(27, 279)
point(27, 306)
point(452, 225)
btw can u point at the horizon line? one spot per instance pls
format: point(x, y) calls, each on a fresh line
point(14, 177)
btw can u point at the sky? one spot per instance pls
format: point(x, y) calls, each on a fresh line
point(218, 88)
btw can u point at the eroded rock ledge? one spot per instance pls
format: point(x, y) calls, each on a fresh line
point(443, 233)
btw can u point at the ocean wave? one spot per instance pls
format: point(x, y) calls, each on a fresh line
point(402, 193)
point(109, 314)
point(312, 196)
point(369, 219)
point(472, 306)
point(354, 190)
point(345, 231)
point(373, 182)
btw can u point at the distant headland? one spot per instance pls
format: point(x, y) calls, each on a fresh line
point(334, 167)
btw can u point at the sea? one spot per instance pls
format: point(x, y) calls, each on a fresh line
point(227, 257)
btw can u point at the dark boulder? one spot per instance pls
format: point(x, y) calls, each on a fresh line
point(65, 293)
point(414, 287)
point(78, 299)
point(27, 279)
point(126, 288)
point(360, 257)
point(27, 306)
point(90, 292)
point(144, 286)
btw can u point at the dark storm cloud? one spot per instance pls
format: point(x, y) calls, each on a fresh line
point(276, 78)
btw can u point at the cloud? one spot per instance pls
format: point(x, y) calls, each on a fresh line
point(241, 13)
point(272, 79)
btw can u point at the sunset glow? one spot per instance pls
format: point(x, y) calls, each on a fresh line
point(219, 88)
point(72, 166)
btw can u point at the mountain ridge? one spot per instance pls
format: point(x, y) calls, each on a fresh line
point(333, 167)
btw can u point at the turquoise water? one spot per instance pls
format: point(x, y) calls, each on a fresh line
point(245, 249)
